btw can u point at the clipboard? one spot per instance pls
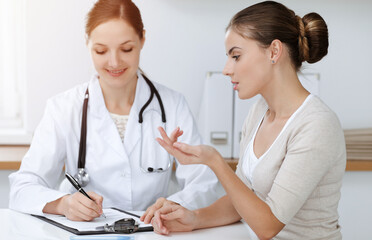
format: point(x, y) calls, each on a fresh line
point(78, 232)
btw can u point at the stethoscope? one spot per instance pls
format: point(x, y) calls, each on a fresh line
point(82, 176)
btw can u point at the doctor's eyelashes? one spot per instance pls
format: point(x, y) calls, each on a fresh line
point(127, 50)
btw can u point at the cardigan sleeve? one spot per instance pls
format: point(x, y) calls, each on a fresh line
point(313, 149)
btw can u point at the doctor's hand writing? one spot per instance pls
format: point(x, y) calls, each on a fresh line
point(174, 218)
point(77, 207)
point(187, 154)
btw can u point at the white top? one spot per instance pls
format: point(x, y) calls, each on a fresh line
point(121, 123)
point(250, 160)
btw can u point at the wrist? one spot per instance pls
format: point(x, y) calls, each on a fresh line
point(60, 203)
point(217, 163)
point(197, 222)
point(55, 207)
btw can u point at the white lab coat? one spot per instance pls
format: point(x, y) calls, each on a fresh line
point(113, 166)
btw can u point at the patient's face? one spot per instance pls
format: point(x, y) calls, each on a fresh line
point(248, 65)
point(115, 49)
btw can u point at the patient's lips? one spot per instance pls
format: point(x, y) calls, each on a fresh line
point(235, 85)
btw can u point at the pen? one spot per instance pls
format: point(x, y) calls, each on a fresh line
point(75, 183)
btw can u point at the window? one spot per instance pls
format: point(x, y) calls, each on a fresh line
point(12, 90)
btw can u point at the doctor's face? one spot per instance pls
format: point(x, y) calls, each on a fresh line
point(248, 65)
point(115, 49)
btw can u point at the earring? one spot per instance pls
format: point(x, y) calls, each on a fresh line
point(272, 61)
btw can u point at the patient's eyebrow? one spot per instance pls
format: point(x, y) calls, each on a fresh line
point(232, 49)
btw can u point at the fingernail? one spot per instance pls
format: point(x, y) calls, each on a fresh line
point(177, 144)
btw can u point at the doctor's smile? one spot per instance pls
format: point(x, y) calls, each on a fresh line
point(116, 73)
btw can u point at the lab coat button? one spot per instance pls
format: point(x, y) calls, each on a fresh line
point(124, 175)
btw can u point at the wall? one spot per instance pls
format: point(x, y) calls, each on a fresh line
point(56, 55)
point(4, 188)
point(355, 206)
point(188, 41)
point(185, 39)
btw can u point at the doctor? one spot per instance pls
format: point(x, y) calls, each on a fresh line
point(107, 128)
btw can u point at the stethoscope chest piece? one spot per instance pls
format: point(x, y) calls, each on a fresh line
point(82, 177)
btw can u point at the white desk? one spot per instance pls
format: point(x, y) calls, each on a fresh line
point(19, 226)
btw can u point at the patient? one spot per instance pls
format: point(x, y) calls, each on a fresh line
point(292, 154)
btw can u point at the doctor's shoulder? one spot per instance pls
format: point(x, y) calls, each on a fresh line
point(169, 95)
point(67, 103)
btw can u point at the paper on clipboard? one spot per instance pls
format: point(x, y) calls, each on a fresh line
point(111, 216)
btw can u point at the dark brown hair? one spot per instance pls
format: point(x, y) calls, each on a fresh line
point(105, 10)
point(306, 38)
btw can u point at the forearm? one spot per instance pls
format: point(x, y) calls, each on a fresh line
point(54, 207)
point(250, 207)
point(28, 195)
point(220, 213)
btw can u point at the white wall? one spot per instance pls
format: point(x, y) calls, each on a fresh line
point(4, 188)
point(56, 56)
point(355, 206)
point(185, 39)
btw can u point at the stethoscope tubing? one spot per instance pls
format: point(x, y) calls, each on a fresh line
point(83, 133)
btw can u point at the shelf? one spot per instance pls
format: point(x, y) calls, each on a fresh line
point(11, 156)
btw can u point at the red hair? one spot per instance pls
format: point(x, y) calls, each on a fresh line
point(105, 10)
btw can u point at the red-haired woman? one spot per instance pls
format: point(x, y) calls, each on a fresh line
point(104, 131)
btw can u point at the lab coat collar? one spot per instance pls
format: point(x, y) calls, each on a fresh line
point(98, 109)
point(96, 105)
point(100, 118)
point(133, 129)
point(97, 101)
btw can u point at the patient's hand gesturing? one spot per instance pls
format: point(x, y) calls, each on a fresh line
point(187, 154)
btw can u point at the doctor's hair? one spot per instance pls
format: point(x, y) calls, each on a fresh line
point(106, 10)
point(306, 38)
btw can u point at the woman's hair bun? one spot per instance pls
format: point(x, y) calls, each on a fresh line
point(313, 39)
